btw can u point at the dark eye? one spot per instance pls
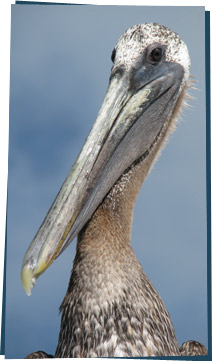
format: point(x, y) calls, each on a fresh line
point(156, 55)
point(113, 55)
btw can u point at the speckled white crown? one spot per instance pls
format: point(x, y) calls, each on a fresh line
point(138, 37)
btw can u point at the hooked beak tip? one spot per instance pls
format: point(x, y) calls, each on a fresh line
point(29, 274)
point(28, 280)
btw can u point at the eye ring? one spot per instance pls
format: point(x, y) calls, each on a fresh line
point(156, 55)
point(113, 55)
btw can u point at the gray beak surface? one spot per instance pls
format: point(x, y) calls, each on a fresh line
point(134, 111)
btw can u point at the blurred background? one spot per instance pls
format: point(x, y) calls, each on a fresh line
point(60, 66)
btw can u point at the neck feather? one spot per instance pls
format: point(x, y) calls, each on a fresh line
point(109, 299)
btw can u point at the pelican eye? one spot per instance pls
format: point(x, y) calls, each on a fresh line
point(155, 55)
point(113, 55)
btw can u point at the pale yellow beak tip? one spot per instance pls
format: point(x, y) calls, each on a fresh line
point(27, 279)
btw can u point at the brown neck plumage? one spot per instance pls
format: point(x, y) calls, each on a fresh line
point(108, 283)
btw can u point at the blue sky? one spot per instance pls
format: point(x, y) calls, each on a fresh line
point(60, 66)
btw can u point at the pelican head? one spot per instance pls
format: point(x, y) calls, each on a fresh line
point(146, 89)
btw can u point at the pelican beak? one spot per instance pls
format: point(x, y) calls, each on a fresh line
point(135, 109)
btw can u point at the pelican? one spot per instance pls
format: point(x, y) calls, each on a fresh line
point(111, 309)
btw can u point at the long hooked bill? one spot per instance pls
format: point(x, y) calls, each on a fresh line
point(126, 127)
